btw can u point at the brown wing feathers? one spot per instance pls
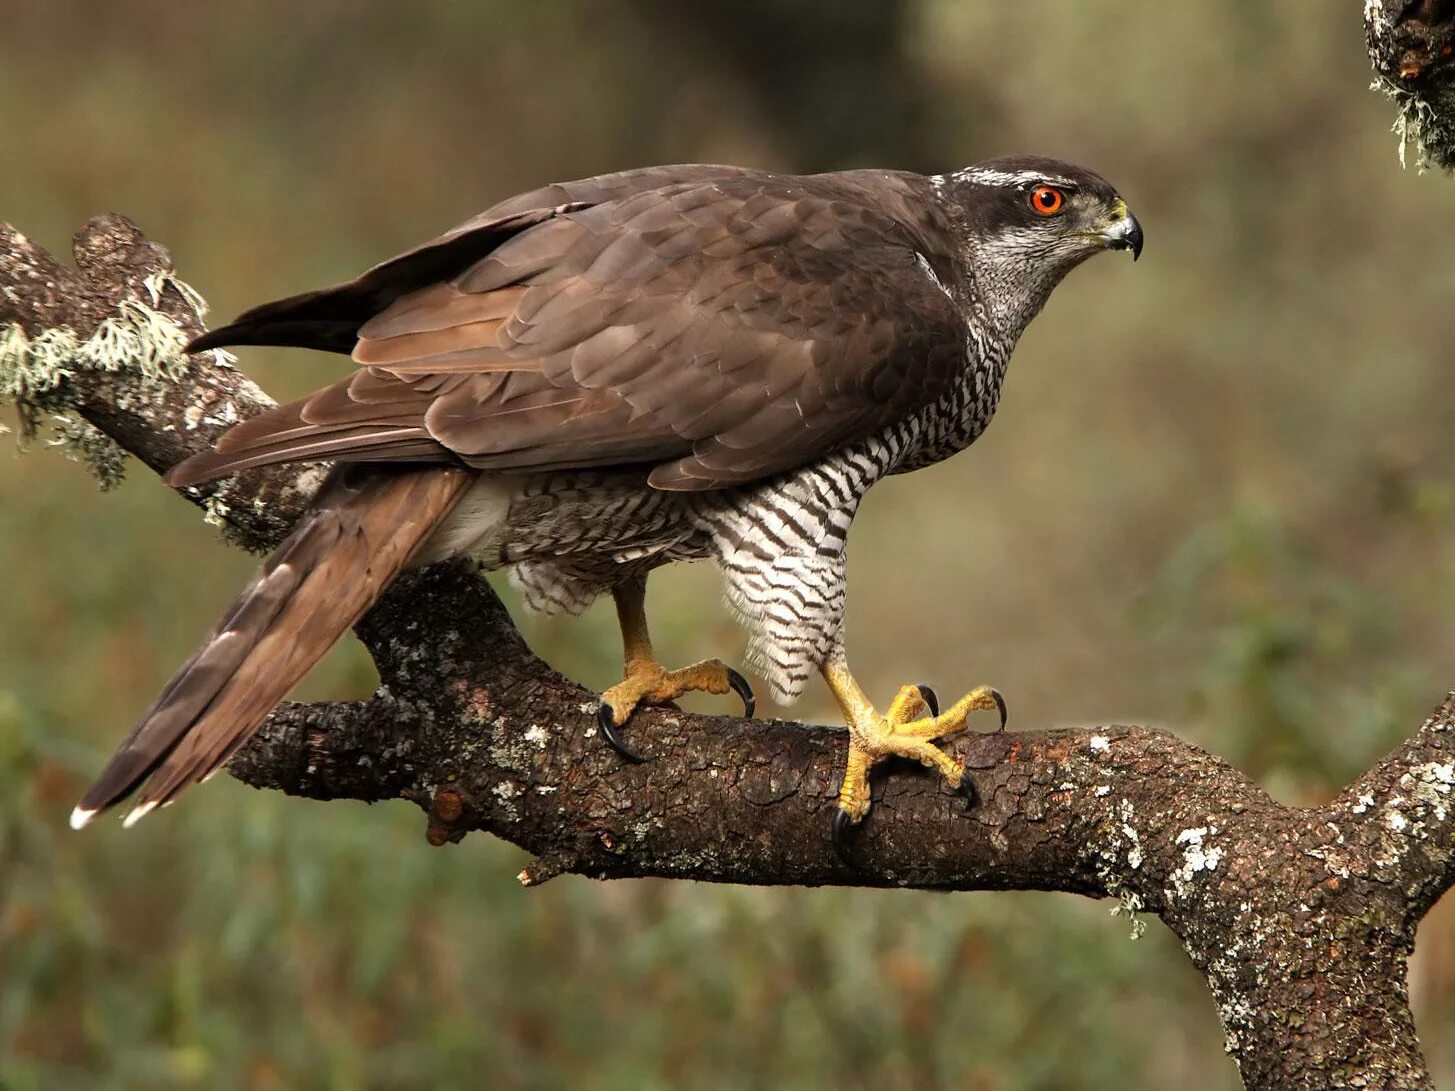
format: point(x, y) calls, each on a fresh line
point(358, 535)
point(329, 319)
point(716, 330)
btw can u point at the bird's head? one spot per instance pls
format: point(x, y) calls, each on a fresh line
point(1027, 221)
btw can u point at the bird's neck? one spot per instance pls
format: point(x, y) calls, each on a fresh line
point(1012, 291)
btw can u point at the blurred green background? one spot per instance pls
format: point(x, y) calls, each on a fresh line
point(1219, 497)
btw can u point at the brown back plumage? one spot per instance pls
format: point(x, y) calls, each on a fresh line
point(360, 532)
point(718, 325)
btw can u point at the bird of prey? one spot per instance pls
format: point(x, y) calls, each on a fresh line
point(600, 377)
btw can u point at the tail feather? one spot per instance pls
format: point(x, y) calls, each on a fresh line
point(360, 532)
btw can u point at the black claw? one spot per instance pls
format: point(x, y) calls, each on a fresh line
point(740, 686)
point(927, 694)
point(844, 828)
point(967, 789)
point(606, 721)
point(1000, 704)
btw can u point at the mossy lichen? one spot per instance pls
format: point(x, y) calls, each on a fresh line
point(1418, 123)
point(215, 511)
point(83, 442)
point(35, 372)
point(1129, 905)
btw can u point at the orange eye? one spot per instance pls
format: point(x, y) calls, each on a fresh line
point(1047, 200)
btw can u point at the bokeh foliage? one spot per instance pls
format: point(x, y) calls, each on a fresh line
point(1218, 497)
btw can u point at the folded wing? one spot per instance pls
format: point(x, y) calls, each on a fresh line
point(716, 326)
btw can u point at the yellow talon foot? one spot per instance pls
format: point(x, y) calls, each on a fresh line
point(899, 733)
point(648, 682)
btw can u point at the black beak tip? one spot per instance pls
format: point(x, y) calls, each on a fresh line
point(1134, 238)
point(1124, 234)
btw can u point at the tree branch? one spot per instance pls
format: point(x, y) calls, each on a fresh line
point(1301, 919)
point(1412, 48)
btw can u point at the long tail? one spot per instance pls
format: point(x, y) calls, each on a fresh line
point(360, 532)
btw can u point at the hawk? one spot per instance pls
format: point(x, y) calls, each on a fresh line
point(600, 377)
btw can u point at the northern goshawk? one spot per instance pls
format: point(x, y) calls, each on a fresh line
point(600, 377)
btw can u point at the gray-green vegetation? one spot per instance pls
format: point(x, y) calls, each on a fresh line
point(1218, 498)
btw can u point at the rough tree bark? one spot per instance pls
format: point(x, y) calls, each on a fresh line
point(1301, 919)
point(1412, 48)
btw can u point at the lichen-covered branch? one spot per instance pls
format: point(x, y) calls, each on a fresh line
point(1412, 48)
point(97, 353)
point(1300, 919)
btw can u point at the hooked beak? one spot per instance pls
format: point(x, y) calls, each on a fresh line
point(1124, 234)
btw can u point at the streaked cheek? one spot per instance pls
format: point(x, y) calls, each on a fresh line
point(1019, 244)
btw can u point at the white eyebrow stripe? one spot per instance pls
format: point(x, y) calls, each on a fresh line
point(987, 176)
